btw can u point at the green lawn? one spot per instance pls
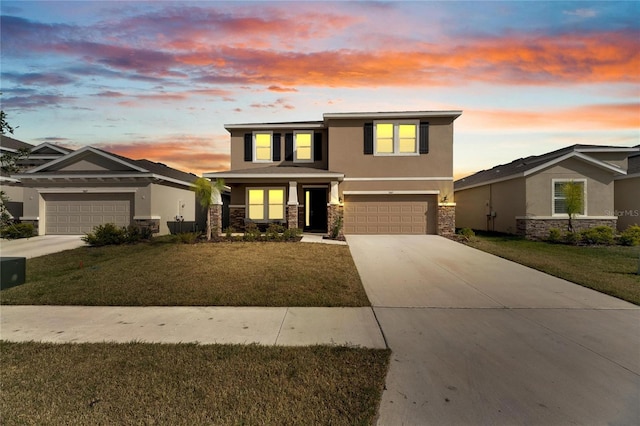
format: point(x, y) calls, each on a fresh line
point(608, 269)
point(189, 384)
point(169, 274)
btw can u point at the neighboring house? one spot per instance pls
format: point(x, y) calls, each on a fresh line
point(627, 196)
point(11, 187)
point(524, 196)
point(81, 189)
point(382, 172)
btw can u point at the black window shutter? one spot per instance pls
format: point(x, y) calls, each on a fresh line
point(317, 146)
point(248, 147)
point(424, 138)
point(277, 147)
point(368, 138)
point(288, 147)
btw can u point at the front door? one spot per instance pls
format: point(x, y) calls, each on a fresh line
point(315, 209)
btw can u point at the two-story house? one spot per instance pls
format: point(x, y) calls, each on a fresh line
point(381, 172)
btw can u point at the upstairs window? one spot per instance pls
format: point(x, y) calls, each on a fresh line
point(303, 145)
point(396, 138)
point(262, 147)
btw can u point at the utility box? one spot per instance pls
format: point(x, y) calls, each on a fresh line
point(13, 271)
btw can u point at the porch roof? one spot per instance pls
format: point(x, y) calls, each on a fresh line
point(288, 172)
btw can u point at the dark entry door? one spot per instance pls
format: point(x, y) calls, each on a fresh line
point(315, 208)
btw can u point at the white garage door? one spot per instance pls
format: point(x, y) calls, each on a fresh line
point(76, 214)
point(389, 214)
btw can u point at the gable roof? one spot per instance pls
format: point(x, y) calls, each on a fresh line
point(533, 164)
point(13, 145)
point(132, 168)
point(49, 149)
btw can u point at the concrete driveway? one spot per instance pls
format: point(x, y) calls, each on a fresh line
point(477, 339)
point(39, 246)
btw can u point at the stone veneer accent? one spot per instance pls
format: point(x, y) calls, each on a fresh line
point(236, 218)
point(152, 224)
point(446, 219)
point(538, 229)
point(333, 212)
point(292, 216)
point(301, 217)
point(215, 216)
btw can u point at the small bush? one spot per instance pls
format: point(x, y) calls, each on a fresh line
point(630, 236)
point(572, 238)
point(466, 233)
point(555, 236)
point(337, 227)
point(291, 234)
point(251, 232)
point(110, 234)
point(601, 235)
point(17, 230)
point(188, 237)
point(228, 233)
point(273, 232)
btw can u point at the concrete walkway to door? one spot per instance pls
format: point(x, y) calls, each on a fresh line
point(477, 339)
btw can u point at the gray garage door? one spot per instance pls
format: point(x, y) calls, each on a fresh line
point(389, 214)
point(76, 214)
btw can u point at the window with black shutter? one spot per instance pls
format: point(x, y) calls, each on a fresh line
point(368, 138)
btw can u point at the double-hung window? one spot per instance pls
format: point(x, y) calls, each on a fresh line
point(396, 138)
point(303, 147)
point(560, 195)
point(265, 204)
point(262, 146)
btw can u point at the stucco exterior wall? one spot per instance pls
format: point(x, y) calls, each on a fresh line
point(600, 190)
point(168, 202)
point(627, 201)
point(472, 206)
point(346, 155)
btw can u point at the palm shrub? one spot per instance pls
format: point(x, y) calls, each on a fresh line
point(205, 191)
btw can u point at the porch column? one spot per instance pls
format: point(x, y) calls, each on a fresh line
point(292, 206)
point(215, 212)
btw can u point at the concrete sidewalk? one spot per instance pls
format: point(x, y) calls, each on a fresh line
point(39, 246)
point(205, 325)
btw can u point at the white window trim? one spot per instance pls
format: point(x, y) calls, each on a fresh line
point(265, 205)
point(295, 146)
point(553, 197)
point(254, 147)
point(396, 140)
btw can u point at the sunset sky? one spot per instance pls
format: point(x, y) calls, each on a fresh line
point(159, 79)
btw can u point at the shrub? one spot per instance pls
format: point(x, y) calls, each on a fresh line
point(251, 232)
point(337, 227)
point(603, 235)
point(466, 233)
point(17, 230)
point(555, 236)
point(291, 234)
point(630, 236)
point(273, 232)
point(134, 234)
point(104, 235)
point(572, 238)
point(188, 237)
point(228, 233)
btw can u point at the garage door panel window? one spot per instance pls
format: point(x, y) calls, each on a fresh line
point(265, 204)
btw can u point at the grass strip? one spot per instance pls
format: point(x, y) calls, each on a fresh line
point(608, 269)
point(168, 274)
point(189, 384)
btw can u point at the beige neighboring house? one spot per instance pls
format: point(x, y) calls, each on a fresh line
point(382, 172)
point(524, 197)
point(627, 197)
point(77, 191)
